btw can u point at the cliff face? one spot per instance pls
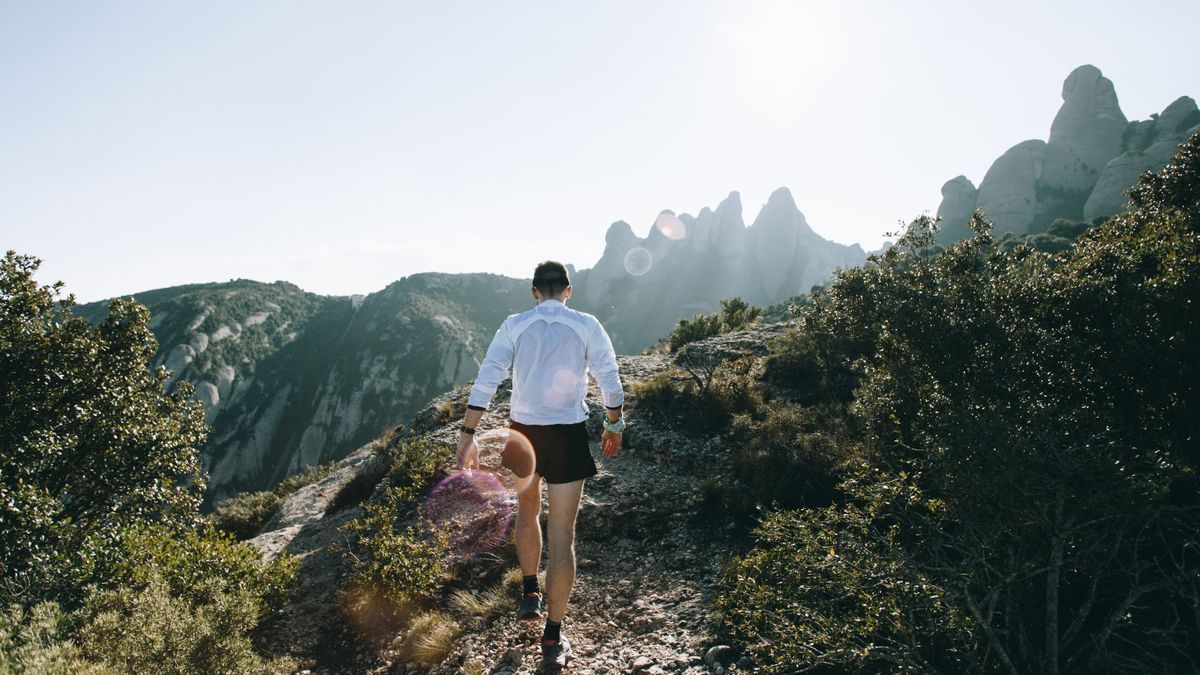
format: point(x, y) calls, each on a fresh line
point(1080, 173)
point(299, 379)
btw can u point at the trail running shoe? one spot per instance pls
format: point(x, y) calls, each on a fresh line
point(531, 607)
point(556, 654)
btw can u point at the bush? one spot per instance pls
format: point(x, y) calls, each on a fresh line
point(396, 567)
point(189, 562)
point(184, 602)
point(149, 629)
point(244, 515)
point(735, 314)
point(1046, 405)
point(704, 396)
point(89, 440)
point(824, 590)
point(37, 642)
point(789, 458)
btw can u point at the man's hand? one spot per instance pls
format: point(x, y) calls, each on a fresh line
point(468, 452)
point(610, 443)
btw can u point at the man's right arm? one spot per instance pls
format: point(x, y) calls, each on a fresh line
point(493, 371)
point(496, 364)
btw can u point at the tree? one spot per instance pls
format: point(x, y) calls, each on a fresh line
point(89, 440)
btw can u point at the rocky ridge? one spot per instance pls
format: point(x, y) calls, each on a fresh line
point(1080, 173)
point(686, 264)
point(648, 555)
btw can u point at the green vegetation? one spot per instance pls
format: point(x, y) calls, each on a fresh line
point(398, 565)
point(186, 603)
point(244, 515)
point(701, 396)
point(1013, 436)
point(106, 565)
point(88, 439)
point(735, 314)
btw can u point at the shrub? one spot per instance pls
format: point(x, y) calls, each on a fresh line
point(704, 397)
point(189, 562)
point(1046, 404)
point(824, 590)
point(735, 314)
point(395, 567)
point(89, 440)
point(789, 458)
point(184, 602)
point(37, 641)
point(244, 515)
point(148, 629)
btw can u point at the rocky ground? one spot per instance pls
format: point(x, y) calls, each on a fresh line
point(649, 558)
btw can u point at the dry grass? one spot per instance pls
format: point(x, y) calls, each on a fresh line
point(429, 638)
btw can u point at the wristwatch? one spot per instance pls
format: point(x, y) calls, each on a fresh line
point(614, 427)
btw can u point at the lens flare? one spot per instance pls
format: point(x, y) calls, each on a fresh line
point(473, 509)
point(562, 387)
point(638, 261)
point(670, 226)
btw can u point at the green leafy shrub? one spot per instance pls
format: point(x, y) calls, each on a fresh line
point(704, 396)
point(824, 590)
point(789, 457)
point(89, 440)
point(1046, 405)
point(735, 314)
point(397, 567)
point(36, 641)
point(184, 602)
point(188, 562)
point(244, 515)
point(148, 628)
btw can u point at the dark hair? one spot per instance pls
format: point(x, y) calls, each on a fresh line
point(550, 278)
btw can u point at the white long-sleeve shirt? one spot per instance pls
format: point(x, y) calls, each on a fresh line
point(550, 349)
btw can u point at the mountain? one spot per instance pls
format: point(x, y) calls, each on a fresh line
point(642, 286)
point(1080, 173)
point(290, 379)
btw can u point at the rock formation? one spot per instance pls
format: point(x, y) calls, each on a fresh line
point(641, 287)
point(1081, 173)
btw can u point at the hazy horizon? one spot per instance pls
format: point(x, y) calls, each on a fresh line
point(342, 148)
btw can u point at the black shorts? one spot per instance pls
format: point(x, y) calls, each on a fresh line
point(561, 450)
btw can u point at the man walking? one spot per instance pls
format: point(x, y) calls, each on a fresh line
point(550, 349)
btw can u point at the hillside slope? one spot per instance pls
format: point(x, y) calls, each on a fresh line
point(649, 554)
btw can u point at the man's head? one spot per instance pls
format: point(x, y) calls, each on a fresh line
point(550, 280)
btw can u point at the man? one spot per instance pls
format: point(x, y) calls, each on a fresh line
point(550, 349)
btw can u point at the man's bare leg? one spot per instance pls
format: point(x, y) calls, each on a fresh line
point(560, 570)
point(529, 526)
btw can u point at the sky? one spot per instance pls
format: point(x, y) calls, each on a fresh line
point(344, 145)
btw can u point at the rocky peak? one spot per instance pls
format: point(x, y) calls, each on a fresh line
point(959, 197)
point(1094, 154)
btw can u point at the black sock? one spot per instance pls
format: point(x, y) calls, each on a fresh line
point(552, 631)
point(531, 585)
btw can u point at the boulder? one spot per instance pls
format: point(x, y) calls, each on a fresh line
point(959, 198)
point(1108, 197)
point(1086, 133)
point(1008, 192)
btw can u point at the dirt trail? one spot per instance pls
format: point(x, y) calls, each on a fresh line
point(647, 560)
